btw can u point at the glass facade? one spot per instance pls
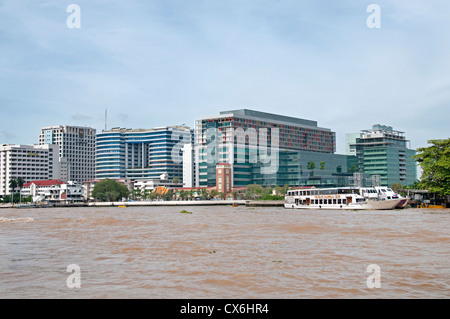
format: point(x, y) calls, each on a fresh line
point(268, 149)
point(141, 154)
point(385, 152)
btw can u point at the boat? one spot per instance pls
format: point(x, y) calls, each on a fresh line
point(344, 198)
point(25, 206)
point(388, 193)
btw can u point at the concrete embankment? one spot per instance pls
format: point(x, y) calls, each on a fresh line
point(264, 203)
point(248, 203)
point(171, 203)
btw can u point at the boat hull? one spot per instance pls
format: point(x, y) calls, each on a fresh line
point(368, 205)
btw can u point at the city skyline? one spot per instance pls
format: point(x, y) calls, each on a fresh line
point(161, 63)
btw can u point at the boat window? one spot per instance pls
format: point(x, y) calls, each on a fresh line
point(339, 201)
point(344, 201)
point(334, 201)
point(320, 201)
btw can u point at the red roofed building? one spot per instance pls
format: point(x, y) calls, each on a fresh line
point(53, 190)
point(44, 183)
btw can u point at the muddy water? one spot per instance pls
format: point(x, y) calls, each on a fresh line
point(223, 252)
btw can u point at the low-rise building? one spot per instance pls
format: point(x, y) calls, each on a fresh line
point(53, 191)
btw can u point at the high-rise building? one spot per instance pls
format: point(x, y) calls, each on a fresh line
point(142, 154)
point(76, 150)
point(350, 139)
point(30, 162)
point(385, 152)
point(189, 162)
point(267, 149)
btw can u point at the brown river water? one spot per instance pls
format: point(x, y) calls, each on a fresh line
point(223, 252)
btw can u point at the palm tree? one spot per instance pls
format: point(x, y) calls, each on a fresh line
point(13, 186)
point(20, 183)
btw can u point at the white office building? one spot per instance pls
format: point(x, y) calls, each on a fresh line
point(76, 150)
point(30, 162)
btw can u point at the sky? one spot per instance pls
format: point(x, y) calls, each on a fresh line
point(154, 63)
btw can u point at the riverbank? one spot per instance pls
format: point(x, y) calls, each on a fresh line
point(248, 203)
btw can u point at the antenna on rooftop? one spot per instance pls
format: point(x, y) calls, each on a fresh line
point(106, 116)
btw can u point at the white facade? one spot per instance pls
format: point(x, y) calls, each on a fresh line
point(151, 185)
point(55, 190)
point(76, 150)
point(189, 166)
point(30, 162)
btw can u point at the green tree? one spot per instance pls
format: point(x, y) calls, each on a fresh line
point(13, 186)
point(397, 187)
point(322, 165)
point(213, 193)
point(136, 193)
point(169, 195)
point(435, 163)
point(253, 191)
point(311, 167)
point(176, 181)
point(20, 183)
point(109, 190)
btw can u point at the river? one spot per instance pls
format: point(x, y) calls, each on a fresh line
point(223, 252)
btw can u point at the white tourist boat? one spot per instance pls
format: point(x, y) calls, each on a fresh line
point(388, 193)
point(337, 198)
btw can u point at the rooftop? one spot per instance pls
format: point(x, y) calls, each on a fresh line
point(49, 182)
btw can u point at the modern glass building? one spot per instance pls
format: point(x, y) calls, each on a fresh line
point(268, 149)
point(385, 152)
point(141, 154)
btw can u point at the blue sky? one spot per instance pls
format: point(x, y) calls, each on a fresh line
point(166, 62)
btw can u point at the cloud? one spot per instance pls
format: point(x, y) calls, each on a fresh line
point(80, 117)
point(177, 61)
point(7, 135)
point(123, 117)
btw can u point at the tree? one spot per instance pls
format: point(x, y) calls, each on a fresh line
point(213, 193)
point(136, 193)
point(397, 187)
point(322, 165)
point(311, 167)
point(13, 186)
point(176, 180)
point(20, 181)
point(435, 163)
point(253, 191)
point(109, 190)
